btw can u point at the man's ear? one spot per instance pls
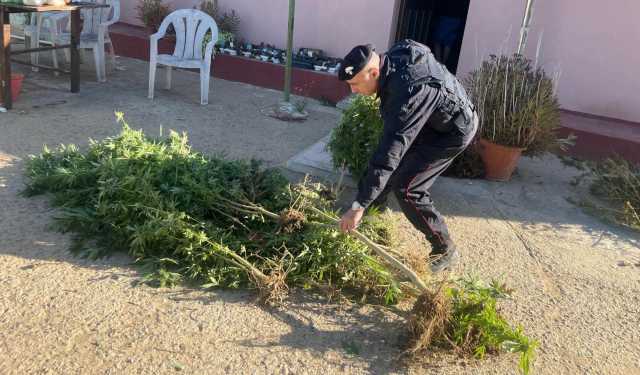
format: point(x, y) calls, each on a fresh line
point(375, 73)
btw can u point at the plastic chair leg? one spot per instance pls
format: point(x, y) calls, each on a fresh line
point(152, 78)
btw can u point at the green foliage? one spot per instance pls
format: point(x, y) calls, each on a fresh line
point(516, 103)
point(227, 22)
point(184, 216)
point(152, 12)
point(224, 37)
point(187, 216)
point(475, 325)
point(355, 139)
point(618, 181)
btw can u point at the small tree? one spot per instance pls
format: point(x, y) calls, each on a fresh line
point(286, 110)
point(289, 66)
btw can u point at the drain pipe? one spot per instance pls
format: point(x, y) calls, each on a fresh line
point(524, 29)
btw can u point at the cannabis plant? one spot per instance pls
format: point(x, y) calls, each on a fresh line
point(217, 222)
point(355, 139)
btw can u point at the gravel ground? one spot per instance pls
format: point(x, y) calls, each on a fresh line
point(576, 279)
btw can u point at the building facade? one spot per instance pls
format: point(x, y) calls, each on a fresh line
point(593, 46)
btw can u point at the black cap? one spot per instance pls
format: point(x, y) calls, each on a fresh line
point(355, 61)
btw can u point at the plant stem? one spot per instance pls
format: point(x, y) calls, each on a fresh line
point(240, 261)
point(250, 208)
point(388, 257)
point(415, 279)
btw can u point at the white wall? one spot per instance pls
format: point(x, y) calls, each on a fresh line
point(332, 25)
point(595, 44)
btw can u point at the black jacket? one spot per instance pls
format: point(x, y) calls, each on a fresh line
point(417, 94)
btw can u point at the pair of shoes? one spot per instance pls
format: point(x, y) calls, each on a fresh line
point(444, 260)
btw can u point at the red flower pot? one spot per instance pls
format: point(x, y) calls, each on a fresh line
point(16, 85)
point(499, 161)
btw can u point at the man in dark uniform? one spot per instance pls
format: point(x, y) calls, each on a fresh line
point(428, 121)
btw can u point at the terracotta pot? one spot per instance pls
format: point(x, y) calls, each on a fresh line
point(16, 84)
point(499, 161)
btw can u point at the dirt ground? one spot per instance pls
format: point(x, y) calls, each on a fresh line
point(576, 279)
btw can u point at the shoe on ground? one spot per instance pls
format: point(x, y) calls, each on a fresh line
point(443, 261)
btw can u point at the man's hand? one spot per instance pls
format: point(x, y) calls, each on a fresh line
point(351, 219)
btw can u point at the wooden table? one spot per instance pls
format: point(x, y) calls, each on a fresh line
point(5, 43)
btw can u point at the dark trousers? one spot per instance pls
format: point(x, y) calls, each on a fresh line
point(418, 170)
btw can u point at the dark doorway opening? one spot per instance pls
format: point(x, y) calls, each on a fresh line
point(438, 24)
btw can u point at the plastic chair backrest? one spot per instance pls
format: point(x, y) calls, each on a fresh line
point(191, 26)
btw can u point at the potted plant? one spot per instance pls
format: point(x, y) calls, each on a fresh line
point(226, 22)
point(151, 13)
point(518, 110)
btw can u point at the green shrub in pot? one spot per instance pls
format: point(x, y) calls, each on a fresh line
point(517, 104)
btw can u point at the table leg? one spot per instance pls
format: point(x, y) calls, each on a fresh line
point(5, 61)
point(75, 54)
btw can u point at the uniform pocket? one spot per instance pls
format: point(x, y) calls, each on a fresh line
point(441, 122)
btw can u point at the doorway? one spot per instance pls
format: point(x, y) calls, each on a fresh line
point(439, 24)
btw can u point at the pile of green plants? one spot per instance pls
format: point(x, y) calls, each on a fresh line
point(516, 103)
point(463, 316)
point(355, 139)
point(187, 217)
point(618, 182)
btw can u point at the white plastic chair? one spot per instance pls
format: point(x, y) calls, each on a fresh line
point(94, 35)
point(44, 28)
point(18, 22)
point(191, 26)
point(23, 28)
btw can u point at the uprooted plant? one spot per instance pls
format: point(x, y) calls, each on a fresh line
point(185, 216)
point(616, 181)
point(462, 316)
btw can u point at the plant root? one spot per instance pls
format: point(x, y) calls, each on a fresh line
point(428, 321)
point(291, 220)
point(272, 290)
